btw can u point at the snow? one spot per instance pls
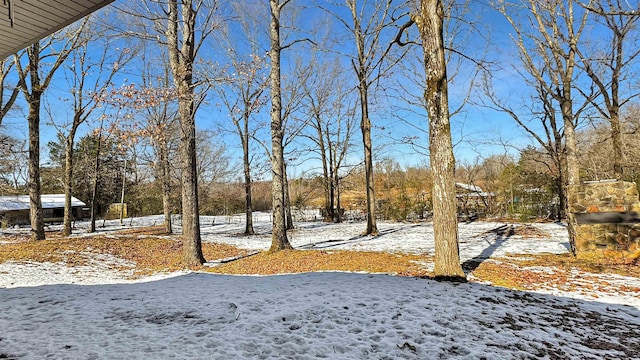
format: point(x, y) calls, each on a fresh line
point(475, 191)
point(49, 201)
point(399, 237)
point(92, 312)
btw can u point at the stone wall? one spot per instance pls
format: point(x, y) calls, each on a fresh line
point(608, 217)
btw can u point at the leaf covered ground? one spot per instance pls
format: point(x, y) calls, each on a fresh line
point(141, 249)
point(146, 251)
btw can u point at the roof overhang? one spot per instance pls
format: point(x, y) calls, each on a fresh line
point(23, 22)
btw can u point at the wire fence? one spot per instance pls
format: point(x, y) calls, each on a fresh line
point(259, 217)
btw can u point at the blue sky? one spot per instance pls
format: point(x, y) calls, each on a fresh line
point(478, 132)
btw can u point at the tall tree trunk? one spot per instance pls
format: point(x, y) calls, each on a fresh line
point(332, 184)
point(165, 174)
point(613, 105)
point(33, 119)
point(362, 71)
point(37, 222)
point(124, 184)
point(191, 238)
point(571, 143)
point(365, 126)
point(616, 62)
point(573, 170)
point(248, 227)
point(181, 62)
point(68, 182)
point(94, 192)
point(445, 224)
point(616, 139)
point(338, 214)
point(287, 200)
point(33, 94)
point(279, 240)
point(326, 179)
point(561, 187)
point(248, 202)
point(332, 197)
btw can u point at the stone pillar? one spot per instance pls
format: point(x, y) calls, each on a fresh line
point(608, 216)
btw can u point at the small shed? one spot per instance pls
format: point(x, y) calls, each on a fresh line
point(14, 209)
point(472, 198)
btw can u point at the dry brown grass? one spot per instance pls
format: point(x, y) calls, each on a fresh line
point(556, 271)
point(151, 253)
point(565, 262)
point(149, 230)
point(297, 261)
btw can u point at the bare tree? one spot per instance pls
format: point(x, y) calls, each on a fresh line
point(464, 38)
point(162, 123)
point(548, 52)
point(370, 24)
point(609, 69)
point(363, 70)
point(598, 148)
point(216, 166)
point(6, 105)
point(292, 100)
point(183, 27)
point(161, 142)
point(9, 147)
point(244, 92)
point(247, 100)
point(279, 240)
point(180, 35)
point(93, 204)
point(367, 24)
point(89, 73)
point(331, 123)
point(429, 19)
point(543, 126)
point(34, 80)
point(318, 94)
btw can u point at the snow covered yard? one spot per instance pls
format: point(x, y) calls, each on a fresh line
point(306, 316)
point(93, 311)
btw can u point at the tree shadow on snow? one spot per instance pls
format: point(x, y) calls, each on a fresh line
point(503, 233)
point(324, 244)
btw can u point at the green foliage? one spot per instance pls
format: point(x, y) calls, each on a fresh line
point(400, 208)
point(144, 199)
point(527, 189)
point(110, 162)
point(57, 151)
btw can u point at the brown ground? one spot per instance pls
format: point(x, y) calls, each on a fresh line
point(150, 252)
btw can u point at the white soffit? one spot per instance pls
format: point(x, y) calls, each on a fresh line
point(23, 22)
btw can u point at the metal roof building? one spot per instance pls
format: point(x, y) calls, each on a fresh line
point(49, 201)
point(14, 210)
